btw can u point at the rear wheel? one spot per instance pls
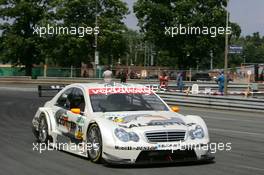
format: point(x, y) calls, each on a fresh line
point(95, 140)
point(43, 130)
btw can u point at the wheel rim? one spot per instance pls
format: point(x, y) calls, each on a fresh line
point(94, 139)
point(43, 132)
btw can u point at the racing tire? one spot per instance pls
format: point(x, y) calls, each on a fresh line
point(42, 135)
point(94, 138)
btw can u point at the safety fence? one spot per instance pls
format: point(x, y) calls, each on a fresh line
point(39, 72)
point(134, 72)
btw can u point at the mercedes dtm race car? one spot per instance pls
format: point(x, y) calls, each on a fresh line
point(120, 124)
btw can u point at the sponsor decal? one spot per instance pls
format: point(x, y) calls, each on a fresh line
point(120, 90)
point(149, 120)
point(63, 120)
point(80, 121)
point(119, 120)
point(79, 133)
point(142, 148)
point(182, 146)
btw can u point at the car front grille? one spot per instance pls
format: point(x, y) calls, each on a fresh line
point(165, 136)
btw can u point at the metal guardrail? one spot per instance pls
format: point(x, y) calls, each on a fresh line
point(15, 77)
point(60, 80)
point(213, 102)
point(173, 98)
point(54, 89)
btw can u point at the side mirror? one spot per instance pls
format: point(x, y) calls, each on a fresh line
point(175, 109)
point(76, 110)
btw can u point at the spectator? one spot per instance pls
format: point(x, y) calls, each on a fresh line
point(107, 75)
point(179, 80)
point(221, 82)
point(123, 76)
point(164, 80)
point(262, 75)
point(85, 74)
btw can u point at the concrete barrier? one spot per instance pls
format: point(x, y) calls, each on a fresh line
point(15, 79)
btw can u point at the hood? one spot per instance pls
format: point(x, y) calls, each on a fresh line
point(144, 119)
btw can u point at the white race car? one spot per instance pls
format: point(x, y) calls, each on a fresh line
point(120, 124)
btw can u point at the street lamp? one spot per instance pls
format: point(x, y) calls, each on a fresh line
point(96, 54)
point(211, 62)
point(197, 64)
point(226, 54)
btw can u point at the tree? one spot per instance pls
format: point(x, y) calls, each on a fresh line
point(72, 49)
point(253, 48)
point(154, 16)
point(20, 46)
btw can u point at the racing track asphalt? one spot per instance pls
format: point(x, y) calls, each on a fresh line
point(17, 106)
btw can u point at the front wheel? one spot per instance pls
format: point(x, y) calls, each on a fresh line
point(95, 140)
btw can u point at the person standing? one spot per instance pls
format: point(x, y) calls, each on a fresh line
point(123, 76)
point(180, 81)
point(221, 82)
point(164, 80)
point(107, 75)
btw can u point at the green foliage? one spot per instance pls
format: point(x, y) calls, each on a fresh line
point(20, 46)
point(253, 49)
point(155, 15)
point(82, 13)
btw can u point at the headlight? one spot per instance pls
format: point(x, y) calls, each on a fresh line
point(124, 136)
point(197, 133)
point(133, 136)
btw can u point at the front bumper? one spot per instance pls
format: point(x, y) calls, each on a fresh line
point(156, 156)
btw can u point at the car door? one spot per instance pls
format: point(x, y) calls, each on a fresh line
point(76, 114)
point(69, 115)
point(61, 110)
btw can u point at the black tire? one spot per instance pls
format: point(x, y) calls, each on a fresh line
point(42, 135)
point(95, 139)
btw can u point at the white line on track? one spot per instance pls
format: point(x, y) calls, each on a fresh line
point(232, 119)
point(249, 167)
point(226, 112)
point(243, 166)
point(237, 132)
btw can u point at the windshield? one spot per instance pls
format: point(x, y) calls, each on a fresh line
point(126, 102)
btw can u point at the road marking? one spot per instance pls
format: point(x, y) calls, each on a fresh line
point(243, 166)
point(249, 167)
point(230, 119)
point(228, 112)
point(237, 132)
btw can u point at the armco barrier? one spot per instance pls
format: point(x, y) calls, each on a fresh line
point(63, 80)
point(214, 102)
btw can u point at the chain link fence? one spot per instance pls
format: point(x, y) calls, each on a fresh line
point(240, 74)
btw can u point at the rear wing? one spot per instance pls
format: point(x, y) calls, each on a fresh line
point(49, 90)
